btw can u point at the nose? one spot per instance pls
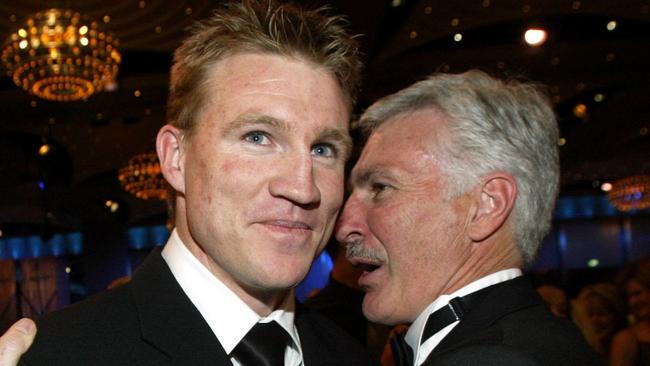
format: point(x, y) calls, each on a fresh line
point(296, 182)
point(352, 221)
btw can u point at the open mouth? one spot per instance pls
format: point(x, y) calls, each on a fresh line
point(367, 265)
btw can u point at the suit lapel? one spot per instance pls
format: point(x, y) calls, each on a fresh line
point(168, 319)
point(489, 305)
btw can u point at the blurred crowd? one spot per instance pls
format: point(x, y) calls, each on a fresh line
point(614, 316)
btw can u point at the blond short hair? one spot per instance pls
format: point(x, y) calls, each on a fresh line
point(259, 26)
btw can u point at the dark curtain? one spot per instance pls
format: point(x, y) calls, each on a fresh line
point(43, 287)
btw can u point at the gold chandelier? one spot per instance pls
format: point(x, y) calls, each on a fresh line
point(60, 55)
point(631, 193)
point(142, 177)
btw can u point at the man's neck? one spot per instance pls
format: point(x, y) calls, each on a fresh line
point(262, 301)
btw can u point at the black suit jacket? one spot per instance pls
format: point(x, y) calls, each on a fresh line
point(508, 324)
point(151, 321)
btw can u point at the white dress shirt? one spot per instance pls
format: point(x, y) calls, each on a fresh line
point(414, 334)
point(226, 314)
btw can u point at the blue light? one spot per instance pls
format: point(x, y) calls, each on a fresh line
point(317, 277)
point(41, 185)
point(138, 238)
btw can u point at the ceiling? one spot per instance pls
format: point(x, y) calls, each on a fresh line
point(403, 41)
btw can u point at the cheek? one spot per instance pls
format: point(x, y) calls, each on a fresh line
point(330, 185)
point(377, 220)
point(396, 224)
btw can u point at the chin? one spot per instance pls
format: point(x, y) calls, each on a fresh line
point(373, 312)
point(286, 279)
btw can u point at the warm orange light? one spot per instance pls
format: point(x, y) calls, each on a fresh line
point(57, 57)
point(142, 177)
point(44, 150)
point(580, 110)
point(631, 193)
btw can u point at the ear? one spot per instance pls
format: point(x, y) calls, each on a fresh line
point(169, 145)
point(496, 198)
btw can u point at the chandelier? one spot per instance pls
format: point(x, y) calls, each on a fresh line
point(142, 177)
point(60, 55)
point(631, 193)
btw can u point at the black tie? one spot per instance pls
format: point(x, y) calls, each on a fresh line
point(263, 345)
point(443, 317)
point(453, 311)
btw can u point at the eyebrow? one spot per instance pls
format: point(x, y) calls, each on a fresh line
point(361, 179)
point(262, 119)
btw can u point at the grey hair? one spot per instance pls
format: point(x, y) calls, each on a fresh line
point(492, 126)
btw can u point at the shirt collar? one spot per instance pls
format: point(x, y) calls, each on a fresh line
point(226, 314)
point(414, 333)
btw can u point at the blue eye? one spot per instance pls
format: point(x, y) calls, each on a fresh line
point(257, 137)
point(325, 150)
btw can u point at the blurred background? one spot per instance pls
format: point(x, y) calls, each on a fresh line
point(75, 157)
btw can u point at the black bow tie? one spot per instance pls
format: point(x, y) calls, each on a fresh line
point(439, 319)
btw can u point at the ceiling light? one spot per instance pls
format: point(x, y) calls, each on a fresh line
point(142, 177)
point(60, 55)
point(632, 193)
point(606, 187)
point(535, 36)
point(44, 150)
point(580, 110)
point(611, 25)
